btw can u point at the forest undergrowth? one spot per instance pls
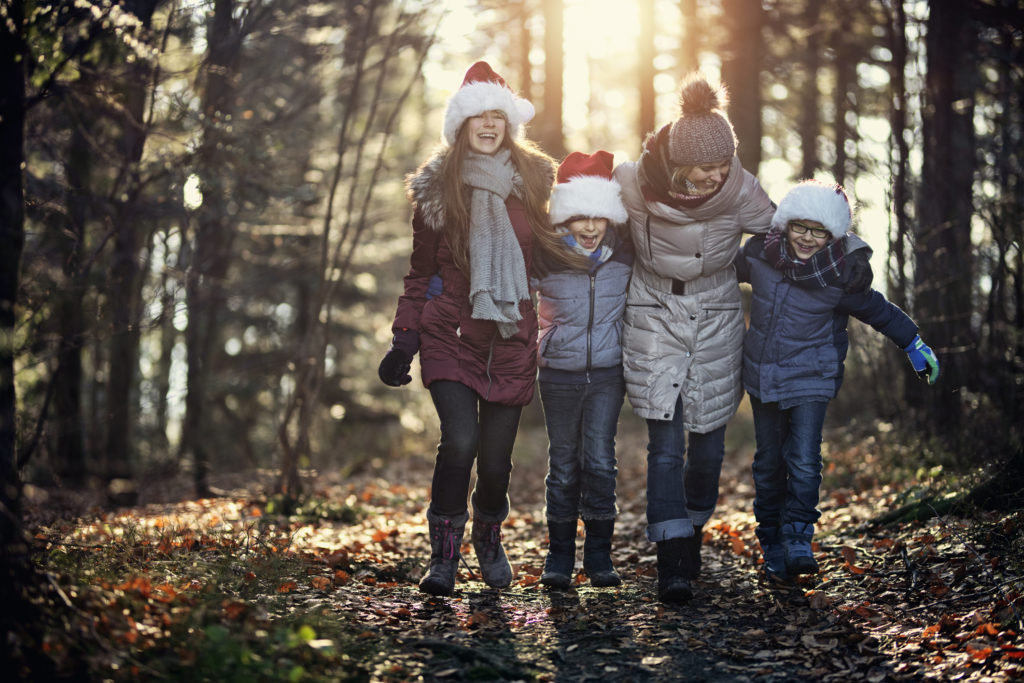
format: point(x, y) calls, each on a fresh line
point(232, 589)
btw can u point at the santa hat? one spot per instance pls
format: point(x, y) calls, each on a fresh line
point(586, 189)
point(814, 200)
point(483, 90)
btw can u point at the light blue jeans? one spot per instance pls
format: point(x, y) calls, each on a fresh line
point(682, 487)
point(582, 420)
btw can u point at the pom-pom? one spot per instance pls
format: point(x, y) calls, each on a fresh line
point(697, 97)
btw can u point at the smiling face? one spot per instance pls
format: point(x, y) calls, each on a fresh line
point(588, 232)
point(708, 177)
point(806, 238)
point(486, 132)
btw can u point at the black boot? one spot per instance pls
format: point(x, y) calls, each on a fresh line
point(597, 553)
point(561, 559)
point(445, 551)
point(693, 544)
point(673, 571)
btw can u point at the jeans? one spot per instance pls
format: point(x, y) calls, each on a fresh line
point(582, 420)
point(472, 429)
point(682, 489)
point(787, 463)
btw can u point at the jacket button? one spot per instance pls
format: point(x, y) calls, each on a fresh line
point(697, 255)
point(666, 416)
point(693, 316)
point(676, 385)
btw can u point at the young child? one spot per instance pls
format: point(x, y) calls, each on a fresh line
point(793, 357)
point(580, 358)
point(479, 219)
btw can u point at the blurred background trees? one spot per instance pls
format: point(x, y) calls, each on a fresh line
point(215, 229)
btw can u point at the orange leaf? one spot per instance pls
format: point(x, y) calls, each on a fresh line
point(379, 535)
point(854, 569)
point(529, 580)
point(233, 610)
point(1013, 653)
point(987, 629)
point(979, 653)
point(341, 576)
point(287, 587)
point(321, 582)
point(737, 545)
point(930, 631)
point(849, 554)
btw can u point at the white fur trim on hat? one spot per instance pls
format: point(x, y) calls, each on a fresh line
point(814, 200)
point(473, 99)
point(587, 196)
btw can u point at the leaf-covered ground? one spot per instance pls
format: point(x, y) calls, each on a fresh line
point(231, 589)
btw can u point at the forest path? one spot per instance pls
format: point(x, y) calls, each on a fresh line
point(198, 588)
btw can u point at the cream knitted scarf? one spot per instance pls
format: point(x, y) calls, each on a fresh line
point(497, 271)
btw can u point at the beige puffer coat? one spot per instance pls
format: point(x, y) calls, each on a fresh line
point(689, 343)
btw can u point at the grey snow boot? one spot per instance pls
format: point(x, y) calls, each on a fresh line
point(597, 553)
point(796, 538)
point(486, 537)
point(561, 558)
point(445, 551)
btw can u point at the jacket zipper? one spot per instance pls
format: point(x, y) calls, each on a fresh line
point(590, 326)
point(647, 229)
point(487, 369)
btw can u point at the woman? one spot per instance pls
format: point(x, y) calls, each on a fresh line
point(480, 215)
point(689, 201)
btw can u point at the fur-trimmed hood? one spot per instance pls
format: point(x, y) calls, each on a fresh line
point(424, 186)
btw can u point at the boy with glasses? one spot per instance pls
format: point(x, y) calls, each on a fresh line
point(793, 358)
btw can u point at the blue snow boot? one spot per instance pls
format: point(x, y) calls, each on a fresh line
point(773, 552)
point(796, 537)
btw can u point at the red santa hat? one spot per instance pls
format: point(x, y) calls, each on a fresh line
point(586, 189)
point(483, 90)
point(814, 200)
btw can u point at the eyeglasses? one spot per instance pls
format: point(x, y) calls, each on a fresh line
point(801, 229)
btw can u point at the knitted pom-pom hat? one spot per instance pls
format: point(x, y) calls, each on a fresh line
point(586, 189)
point(483, 90)
point(702, 134)
point(814, 200)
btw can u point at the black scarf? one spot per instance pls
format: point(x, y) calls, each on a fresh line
point(825, 267)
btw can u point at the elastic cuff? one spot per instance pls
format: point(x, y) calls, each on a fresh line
point(673, 528)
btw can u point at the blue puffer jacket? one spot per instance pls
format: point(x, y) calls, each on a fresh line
point(795, 347)
point(581, 318)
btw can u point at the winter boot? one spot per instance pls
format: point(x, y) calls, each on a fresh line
point(445, 543)
point(773, 552)
point(692, 545)
point(597, 553)
point(561, 559)
point(486, 537)
point(796, 539)
point(673, 584)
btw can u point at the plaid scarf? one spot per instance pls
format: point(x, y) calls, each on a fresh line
point(825, 267)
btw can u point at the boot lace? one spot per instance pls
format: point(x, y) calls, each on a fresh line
point(491, 539)
point(447, 538)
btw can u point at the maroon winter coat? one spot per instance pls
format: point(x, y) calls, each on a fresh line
point(454, 345)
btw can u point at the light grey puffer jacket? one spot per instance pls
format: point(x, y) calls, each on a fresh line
point(689, 343)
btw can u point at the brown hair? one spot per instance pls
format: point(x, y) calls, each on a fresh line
point(529, 160)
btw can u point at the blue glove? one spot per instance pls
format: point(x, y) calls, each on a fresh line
point(923, 359)
point(435, 287)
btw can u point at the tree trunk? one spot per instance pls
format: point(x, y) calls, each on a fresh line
point(689, 53)
point(944, 262)
point(67, 378)
point(741, 71)
point(645, 67)
point(899, 155)
point(551, 138)
point(215, 230)
point(14, 550)
point(125, 282)
point(845, 65)
point(810, 93)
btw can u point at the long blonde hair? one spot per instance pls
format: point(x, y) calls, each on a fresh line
point(533, 166)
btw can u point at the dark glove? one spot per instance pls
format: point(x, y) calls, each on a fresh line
point(435, 287)
point(394, 369)
point(923, 359)
point(858, 271)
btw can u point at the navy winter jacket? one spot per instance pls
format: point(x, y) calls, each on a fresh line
point(581, 318)
point(794, 350)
